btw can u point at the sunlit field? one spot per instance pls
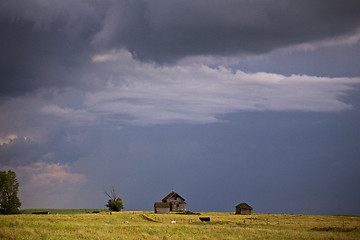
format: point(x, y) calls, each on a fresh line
point(83, 224)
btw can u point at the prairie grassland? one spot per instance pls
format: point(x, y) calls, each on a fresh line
point(147, 225)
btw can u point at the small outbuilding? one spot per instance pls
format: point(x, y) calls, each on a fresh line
point(162, 207)
point(243, 208)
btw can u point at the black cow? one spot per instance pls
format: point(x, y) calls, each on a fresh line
point(204, 219)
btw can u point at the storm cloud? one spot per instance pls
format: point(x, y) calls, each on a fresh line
point(162, 94)
point(49, 44)
point(168, 30)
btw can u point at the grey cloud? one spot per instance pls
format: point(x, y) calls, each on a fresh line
point(44, 44)
point(28, 134)
point(60, 144)
point(168, 30)
point(47, 44)
point(18, 150)
point(145, 94)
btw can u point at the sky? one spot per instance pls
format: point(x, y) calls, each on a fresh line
point(224, 102)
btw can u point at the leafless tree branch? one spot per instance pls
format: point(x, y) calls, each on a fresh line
point(112, 194)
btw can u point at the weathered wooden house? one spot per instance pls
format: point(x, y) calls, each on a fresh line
point(243, 208)
point(172, 202)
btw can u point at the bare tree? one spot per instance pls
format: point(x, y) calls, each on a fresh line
point(112, 194)
point(115, 202)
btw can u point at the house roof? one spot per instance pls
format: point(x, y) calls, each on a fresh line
point(172, 194)
point(244, 205)
point(162, 205)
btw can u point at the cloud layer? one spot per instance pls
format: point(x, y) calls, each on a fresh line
point(126, 91)
point(168, 30)
point(142, 93)
point(55, 41)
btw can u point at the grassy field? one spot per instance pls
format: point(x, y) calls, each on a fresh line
point(147, 225)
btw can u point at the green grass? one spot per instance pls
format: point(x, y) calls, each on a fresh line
point(147, 225)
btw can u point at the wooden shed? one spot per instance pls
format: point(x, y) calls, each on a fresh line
point(243, 208)
point(162, 207)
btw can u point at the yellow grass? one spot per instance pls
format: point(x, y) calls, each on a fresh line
point(147, 225)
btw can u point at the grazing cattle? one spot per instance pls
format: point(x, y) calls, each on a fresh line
point(204, 219)
point(173, 222)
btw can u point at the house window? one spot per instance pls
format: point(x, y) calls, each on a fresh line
point(175, 198)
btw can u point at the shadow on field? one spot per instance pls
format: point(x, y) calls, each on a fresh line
point(335, 229)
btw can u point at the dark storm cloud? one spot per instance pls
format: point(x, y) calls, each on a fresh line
point(43, 44)
point(48, 43)
point(168, 30)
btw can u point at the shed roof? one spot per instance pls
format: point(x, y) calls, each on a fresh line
point(172, 194)
point(162, 205)
point(244, 206)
